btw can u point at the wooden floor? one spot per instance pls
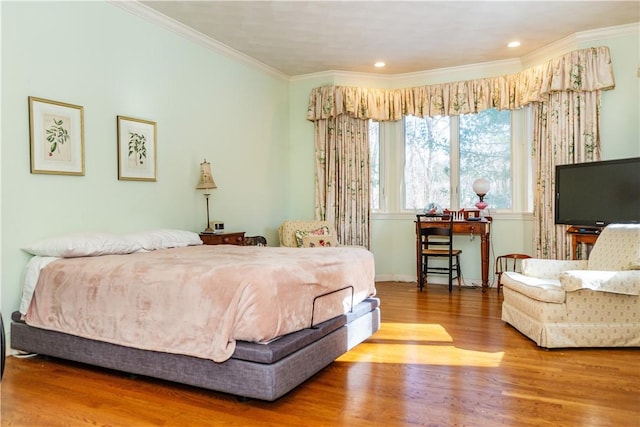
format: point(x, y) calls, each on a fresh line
point(438, 360)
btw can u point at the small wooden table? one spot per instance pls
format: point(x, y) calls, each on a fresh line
point(588, 236)
point(236, 238)
point(481, 228)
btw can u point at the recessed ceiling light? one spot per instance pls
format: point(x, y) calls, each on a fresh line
point(379, 64)
point(514, 44)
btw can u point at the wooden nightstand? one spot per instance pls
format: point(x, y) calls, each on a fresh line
point(223, 238)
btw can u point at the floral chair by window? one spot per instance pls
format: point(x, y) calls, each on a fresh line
point(298, 234)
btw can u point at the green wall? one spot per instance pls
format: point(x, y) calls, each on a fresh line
point(206, 105)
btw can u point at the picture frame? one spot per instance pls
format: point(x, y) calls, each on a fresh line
point(137, 149)
point(56, 137)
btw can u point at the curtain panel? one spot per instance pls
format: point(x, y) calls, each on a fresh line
point(566, 130)
point(342, 177)
point(584, 70)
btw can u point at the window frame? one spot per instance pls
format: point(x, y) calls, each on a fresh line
point(392, 160)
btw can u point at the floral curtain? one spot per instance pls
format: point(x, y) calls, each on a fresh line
point(565, 94)
point(583, 70)
point(565, 130)
point(342, 177)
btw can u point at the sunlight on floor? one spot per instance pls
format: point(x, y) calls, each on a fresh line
point(410, 343)
point(412, 332)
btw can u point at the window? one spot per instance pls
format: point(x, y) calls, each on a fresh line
point(436, 160)
point(485, 151)
point(427, 166)
point(444, 155)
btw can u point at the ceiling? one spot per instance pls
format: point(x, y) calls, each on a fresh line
point(303, 37)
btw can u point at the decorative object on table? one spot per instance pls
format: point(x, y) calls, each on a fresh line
point(481, 188)
point(218, 227)
point(433, 209)
point(56, 137)
point(136, 149)
point(206, 183)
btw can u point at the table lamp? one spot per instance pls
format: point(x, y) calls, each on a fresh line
point(206, 183)
point(481, 188)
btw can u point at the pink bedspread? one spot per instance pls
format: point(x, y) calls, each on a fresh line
point(198, 300)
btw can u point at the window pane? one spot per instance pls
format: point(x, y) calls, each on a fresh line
point(485, 151)
point(427, 172)
point(374, 158)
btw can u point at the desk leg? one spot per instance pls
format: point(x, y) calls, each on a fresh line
point(484, 249)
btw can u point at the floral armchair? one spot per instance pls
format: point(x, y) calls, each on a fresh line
point(307, 233)
point(580, 303)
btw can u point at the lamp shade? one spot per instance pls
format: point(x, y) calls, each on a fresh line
point(206, 178)
point(481, 186)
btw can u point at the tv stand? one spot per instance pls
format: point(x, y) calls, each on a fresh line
point(582, 235)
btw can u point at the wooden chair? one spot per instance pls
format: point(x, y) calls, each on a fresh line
point(508, 262)
point(436, 241)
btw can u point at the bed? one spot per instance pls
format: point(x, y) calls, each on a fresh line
point(247, 320)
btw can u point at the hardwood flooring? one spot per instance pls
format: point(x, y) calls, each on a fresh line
point(439, 359)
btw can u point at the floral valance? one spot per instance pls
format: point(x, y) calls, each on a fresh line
point(582, 70)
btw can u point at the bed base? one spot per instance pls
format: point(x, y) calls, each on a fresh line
point(257, 371)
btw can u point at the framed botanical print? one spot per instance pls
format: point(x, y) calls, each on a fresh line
point(136, 149)
point(56, 137)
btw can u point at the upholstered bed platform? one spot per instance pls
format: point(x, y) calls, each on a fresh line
point(259, 371)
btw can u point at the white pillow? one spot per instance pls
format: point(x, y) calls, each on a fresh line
point(164, 238)
point(82, 244)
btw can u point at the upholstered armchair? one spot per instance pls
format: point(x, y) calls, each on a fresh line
point(580, 303)
point(307, 233)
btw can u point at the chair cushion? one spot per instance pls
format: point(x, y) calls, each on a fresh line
point(545, 290)
point(441, 252)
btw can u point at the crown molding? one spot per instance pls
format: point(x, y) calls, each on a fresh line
point(145, 12)
point(572, 42)
point(333, 74)
point(430, 75)
point(609, 32)
point(442, 74)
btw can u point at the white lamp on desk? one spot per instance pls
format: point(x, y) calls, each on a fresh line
point(481, 188)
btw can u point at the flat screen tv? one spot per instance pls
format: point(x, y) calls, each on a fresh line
point(595, 194)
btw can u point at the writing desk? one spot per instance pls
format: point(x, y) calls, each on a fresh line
point(479, 228)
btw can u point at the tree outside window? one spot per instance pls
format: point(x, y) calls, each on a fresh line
point(485, 152)
point(444, 153)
